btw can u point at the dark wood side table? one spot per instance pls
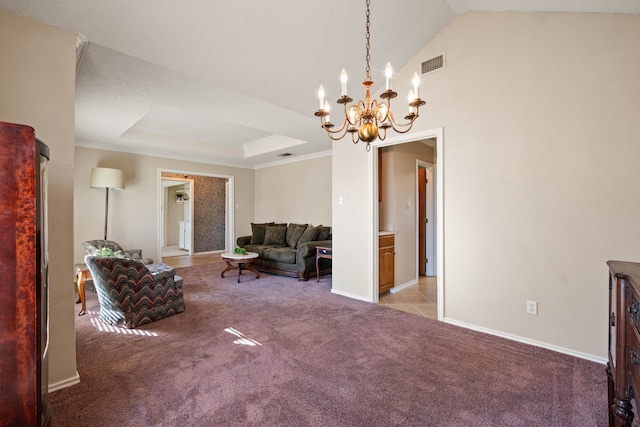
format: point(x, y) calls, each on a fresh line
point(82, 274)
point(322, 252)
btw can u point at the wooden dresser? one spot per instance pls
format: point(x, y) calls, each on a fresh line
point(24, 280)
point(623, 368)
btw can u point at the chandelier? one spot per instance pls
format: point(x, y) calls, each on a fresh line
point(367, 120)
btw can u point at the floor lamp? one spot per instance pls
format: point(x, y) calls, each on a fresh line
point(107, 178)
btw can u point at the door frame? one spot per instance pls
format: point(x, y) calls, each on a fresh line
point(438, 135)
point(230, 201)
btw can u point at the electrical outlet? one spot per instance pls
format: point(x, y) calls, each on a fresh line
point(532, 307)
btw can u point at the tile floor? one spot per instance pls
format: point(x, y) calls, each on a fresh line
point(417, 299)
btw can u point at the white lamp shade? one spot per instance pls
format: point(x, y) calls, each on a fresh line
point(107, 178)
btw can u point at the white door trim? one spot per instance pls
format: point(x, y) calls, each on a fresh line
point(191, 183)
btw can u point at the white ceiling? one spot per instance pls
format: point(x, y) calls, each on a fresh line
point(234, 82)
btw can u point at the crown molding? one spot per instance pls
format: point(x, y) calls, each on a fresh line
point(165, 155)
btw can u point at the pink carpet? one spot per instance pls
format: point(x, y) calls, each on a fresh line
point(277, 352)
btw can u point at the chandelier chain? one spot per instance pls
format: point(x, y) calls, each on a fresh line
point(368, 57)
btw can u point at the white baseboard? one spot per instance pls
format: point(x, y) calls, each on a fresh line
point(348, 295)
point(401, 287)
point(527, 341)
point(65, 383)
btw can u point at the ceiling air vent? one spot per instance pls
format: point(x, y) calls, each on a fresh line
point(432, 64)
point(284, 154)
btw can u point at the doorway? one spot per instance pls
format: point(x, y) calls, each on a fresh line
point(177, 216)
point(435, 135)
point(206, 202)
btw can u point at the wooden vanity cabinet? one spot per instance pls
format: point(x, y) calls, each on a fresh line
point(386, 263)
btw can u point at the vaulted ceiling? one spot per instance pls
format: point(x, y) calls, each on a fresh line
point(234, 82)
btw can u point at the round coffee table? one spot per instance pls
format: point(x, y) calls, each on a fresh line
point(243, 262)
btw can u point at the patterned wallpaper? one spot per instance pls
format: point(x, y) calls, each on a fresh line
point(209, 212)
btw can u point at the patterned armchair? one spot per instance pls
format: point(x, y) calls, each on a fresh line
point(131, 293)
point(90, 247)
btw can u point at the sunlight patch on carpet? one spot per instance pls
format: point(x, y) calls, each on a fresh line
point(103, 327)
point(242, 339)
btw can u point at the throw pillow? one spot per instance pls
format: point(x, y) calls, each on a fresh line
point(310, 235)
point(294, 232)
point(257, 232)
point(275, 236)
point(324, 233)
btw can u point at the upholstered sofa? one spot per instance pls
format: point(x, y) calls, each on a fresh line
point(132, 293)
point(289, 250)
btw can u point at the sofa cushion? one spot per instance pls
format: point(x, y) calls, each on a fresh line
point(294, 232)
point(275, 236)
point(283, 254)
point(324, 233)
point(259, 249)
point(258, 231)
point(310, 235)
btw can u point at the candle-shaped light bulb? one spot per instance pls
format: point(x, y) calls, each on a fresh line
point(388, 72)
point(382, 112)
point(411, 99)
point(353, 111)
point(343, 80)
point(326, 109)
point(321, 96)
point(416, 85)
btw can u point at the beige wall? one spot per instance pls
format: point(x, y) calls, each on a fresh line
point(133, 216)
point(37, 87)
point(298, 192)
point(540, 116)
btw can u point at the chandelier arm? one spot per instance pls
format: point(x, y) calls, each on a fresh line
point(336, 138)
point(330, 132)
point(398, 126)
point(382, 136)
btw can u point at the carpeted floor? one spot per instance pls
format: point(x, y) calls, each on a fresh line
point(278, 352)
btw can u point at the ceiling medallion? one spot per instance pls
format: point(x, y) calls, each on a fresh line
point(367, 120)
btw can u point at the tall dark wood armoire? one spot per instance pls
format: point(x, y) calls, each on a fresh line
point(24, 296)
